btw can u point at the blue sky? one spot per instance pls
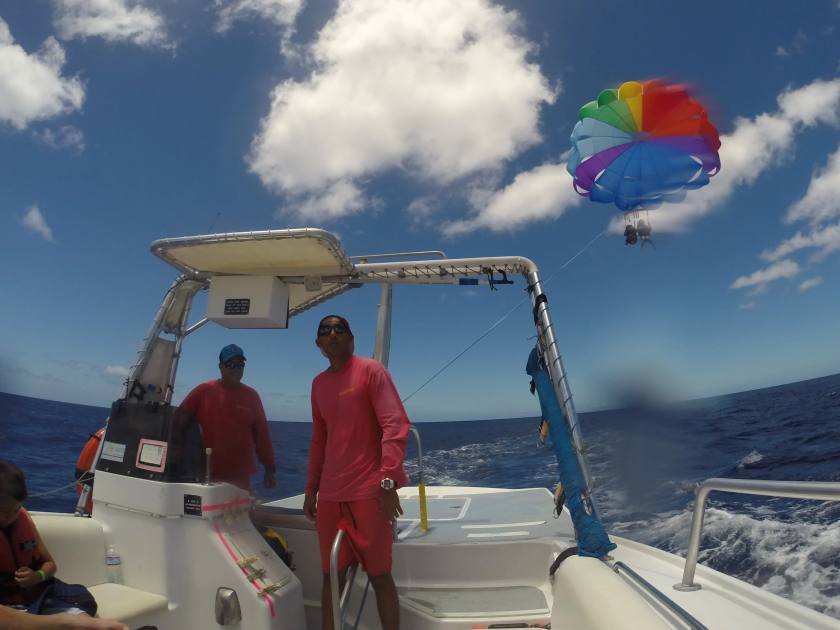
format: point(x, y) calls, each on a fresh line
point(405, 125)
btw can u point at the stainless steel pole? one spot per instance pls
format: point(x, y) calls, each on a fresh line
point(554, 362)
point(382, 346)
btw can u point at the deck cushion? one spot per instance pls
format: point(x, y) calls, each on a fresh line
point(78, 546)
point(127, 604)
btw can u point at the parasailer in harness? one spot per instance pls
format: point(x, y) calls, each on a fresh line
point(643, 229)
point(83, 465)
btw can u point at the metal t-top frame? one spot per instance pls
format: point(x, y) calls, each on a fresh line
point(173, 315)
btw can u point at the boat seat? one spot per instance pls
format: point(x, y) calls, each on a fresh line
point(78, 546)
point(117, 601)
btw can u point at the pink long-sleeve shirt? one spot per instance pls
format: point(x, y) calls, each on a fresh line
point(359, 432)
point(234, 425)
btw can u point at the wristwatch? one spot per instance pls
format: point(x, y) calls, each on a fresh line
point(387, 484)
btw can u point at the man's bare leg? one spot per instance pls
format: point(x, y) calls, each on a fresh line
point(387, 601)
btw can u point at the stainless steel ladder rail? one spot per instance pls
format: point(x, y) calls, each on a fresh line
point(341, 600)
point(817, 490)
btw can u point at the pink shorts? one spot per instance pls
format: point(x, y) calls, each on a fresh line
point(370, 535)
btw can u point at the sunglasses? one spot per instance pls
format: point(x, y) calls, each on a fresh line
point(326, 329)
point(234, 365)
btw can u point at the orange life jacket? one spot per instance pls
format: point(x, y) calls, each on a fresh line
point(18, 548)
point(84, 463)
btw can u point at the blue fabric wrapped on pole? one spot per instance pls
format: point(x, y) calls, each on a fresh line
point(592, 538)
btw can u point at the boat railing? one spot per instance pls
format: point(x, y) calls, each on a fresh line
point(685, 616)
point(421, 480)
point(816, 490)
point(340, 600)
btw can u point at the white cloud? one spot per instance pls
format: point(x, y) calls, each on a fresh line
point(826, 240)
point(811, 283)
point(33, 220)
point(339, 199)
point(440, 89)
point(822, 200)
point(281, 12)
point(64, 137)
point(117, 370)
point(753, 147)
point(762, 277)
point(541, 193)
point(813, 103)
point(31, 86)
point(796, 47)
point(112, 20)
point(747, 306)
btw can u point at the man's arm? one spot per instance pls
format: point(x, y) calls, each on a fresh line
point(185, 414)
point(317, 447)
point(392, 419)
point(262, 442)
point(16, 620)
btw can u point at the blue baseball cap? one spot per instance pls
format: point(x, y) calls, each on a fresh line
point(229, 352)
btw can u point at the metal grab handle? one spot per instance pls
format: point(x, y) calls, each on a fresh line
point(208, 453)
point(335, 595)
point(421, 482)
point(818, 490)
point(339, 600)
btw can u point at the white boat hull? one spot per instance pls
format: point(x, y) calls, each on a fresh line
point(483, 562)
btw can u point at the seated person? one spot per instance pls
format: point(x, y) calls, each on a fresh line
point(26, 566)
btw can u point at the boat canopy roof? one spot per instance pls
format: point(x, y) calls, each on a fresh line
point(315, 267)
point(289, 254)
point(295, 252)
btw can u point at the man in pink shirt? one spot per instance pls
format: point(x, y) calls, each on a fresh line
point(233, 423)
point(355, 465)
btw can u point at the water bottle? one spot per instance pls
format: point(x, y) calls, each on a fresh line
point(113, 565)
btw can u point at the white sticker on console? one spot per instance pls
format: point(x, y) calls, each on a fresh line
point(113, 452)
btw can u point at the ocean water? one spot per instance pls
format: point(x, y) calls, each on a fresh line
point(645, 459)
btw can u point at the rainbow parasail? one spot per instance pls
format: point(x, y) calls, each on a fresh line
point(642, 144)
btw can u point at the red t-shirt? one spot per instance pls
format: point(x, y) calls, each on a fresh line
point(233, 424)
point(359, 431)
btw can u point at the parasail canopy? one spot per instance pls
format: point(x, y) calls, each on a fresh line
point(642, 144)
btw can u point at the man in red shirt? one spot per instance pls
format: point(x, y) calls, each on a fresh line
point(232, 423)
point(356, 457)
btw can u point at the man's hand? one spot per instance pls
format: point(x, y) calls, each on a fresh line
point(27, 578)
point(310, 509)
point(83, 622)
point(389, 503)
point(270, 480)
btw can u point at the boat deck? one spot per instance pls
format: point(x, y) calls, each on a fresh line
point(485, 559)
point(472, 518)
point(462, 515)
